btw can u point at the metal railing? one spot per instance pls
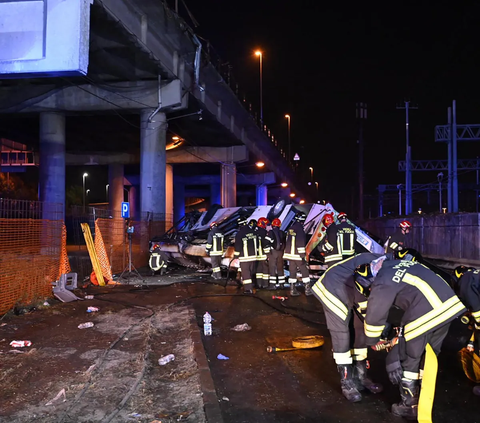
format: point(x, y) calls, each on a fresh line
point(25, 209)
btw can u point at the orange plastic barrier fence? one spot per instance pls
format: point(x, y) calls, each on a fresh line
point(102, 254)
point(30, 257)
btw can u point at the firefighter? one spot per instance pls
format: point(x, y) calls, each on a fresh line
point(397, 241)
point(346, 236)
point(275, 259)
point(468, 289)
point(295, 254)
point(246, 252)
point(330, 245)
point(214, 249)
point(429, 306)
point(263, 249)
point(335, 290)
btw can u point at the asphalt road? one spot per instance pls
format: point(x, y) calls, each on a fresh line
point(303, 386)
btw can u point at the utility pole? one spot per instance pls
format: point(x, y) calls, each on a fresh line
point(408, 160)
point(361, 114)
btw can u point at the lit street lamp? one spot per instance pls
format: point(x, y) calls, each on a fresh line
point(259, 164)
point(289, 155)
point(106, 190)
point(84, 176)
point(260, 55)
point(311, 173)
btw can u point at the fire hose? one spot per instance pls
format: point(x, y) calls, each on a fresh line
point(302, 342)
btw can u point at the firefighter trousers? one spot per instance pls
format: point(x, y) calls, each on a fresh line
point(301, 265)
point(412, 352)
point(248, 271)
point(275, 267)
point(216, 262)
point(346, 335)
point(262, 273)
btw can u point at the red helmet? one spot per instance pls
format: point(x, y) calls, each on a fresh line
point(342, 215)
point(263, 222)
point(213, 225)
point(276, 223)
point(327, 219)
point(405, 224)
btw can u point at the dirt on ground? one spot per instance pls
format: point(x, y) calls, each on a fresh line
point(105, 373)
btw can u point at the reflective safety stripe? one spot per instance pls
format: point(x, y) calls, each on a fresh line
point(373, 331)
point(216, 253)
point(332, 257)
point(208, 245)
point(306, 280)
point(216, 269)
point(247, 281)
point(476, 315)
point(424, 288)
point(434, 318)
point(294, 257)
point(360, 354)
point(259, 275)
point(362, 305)
point(393, 245)
point(247, 259)
point(330, 301)
point(411, 375)
point(343, 358)
point(301, 250)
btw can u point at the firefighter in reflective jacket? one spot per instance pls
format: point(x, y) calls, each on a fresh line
point(295, 254)
point(331, 246)
point(246, 252)
point(346, 236)
point(468, 290)
point(263, 249)
point(335, 290)
point(275, 259)
point(214, 249)
point(429, 306)
point(397, 241)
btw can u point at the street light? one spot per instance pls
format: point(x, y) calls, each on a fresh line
point(292, 194)
point(284, 185)
point(260, 55)
point(288, 123)
point(302, 201)
point(311, 173)
point(84, 176)
point(106, 190)
point(259, 164)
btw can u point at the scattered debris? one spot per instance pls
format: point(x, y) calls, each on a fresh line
point(85, 325)
point(90, 369)
point(225, 399)
point(222, 357)
point(242, 328)
point(59, 395)
point(20, 344)
point(92, 309)
point(88, 297)
point(166, 359)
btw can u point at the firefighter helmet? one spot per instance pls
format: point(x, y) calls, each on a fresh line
point(405, 224)
point(342, 216)
point(461, 270)
point(263, 222)
point(327, 219)
point(252, 223)
point(363, 279)
point(213, 225)
point(276, 223)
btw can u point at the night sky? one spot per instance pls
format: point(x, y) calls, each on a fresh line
point(320, 59)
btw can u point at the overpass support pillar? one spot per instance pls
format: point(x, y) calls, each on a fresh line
point(169, 197)
point(52, 163)
point(215, 193)
point(262, 195)
point(116, 189)
point(133, 200)
point(153, 131)
point(178, 201)
point(229, 185)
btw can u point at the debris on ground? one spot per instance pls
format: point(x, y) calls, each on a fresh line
point(242, 328)
point(222, 357)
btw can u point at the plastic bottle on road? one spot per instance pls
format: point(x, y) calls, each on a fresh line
point(207, 324)
point(166, 359)
point(85, 325)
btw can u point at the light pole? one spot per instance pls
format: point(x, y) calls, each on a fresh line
point(84, 177)
point(260, 55)
point(311, 173)
point(288, 123)
point(106, 190)
point(440, 178)
point(316, 186)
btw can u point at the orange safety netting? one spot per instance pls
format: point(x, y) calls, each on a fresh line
point(30, 251)
point(102, 254)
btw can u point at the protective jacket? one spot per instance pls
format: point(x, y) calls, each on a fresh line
point(214, 245)
point(264, 243)
point(331, 245)
point(426, 298)
point(336, 289)
point(469, 292)
point(295, 242)
point(246, 244)
point(396, 242)
point(346, 238)
point(277, 237)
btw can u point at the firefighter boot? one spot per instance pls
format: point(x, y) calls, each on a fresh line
point(408, 408)
point(293, 289)
point(349, 390)
point(362, 380)
point(308, 289)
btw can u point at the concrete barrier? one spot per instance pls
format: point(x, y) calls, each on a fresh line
point(450, 238)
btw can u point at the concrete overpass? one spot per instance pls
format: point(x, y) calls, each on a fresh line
point(144, 61)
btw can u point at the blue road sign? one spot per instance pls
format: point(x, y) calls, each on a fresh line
point(126, 210)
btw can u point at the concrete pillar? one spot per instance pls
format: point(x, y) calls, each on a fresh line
point(228, 185)
point(215, 194)
point(178, 201)
point(115, 189)
point(133, 200)
point(169, 197)
point(152, 164)
point(52, 164)
point(262, 195)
